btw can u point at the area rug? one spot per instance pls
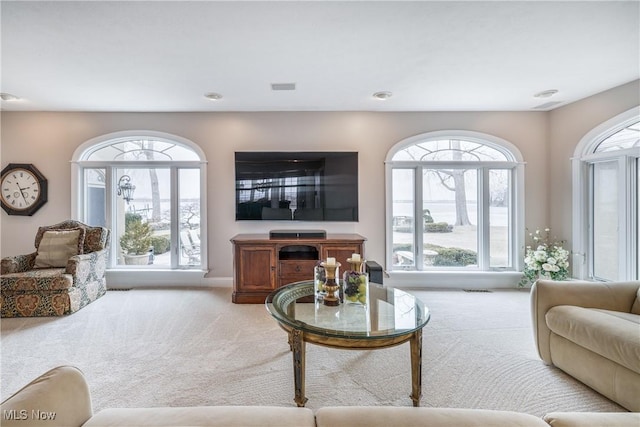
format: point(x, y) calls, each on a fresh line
point(192, 347)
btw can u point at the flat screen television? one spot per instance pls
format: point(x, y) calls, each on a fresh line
point(296, 186)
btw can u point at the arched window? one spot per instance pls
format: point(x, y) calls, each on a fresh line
point(452, 199)
point(606, 194)
point(148, 188)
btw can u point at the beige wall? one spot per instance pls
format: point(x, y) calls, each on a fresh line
point(48, 140)
point(567, 126)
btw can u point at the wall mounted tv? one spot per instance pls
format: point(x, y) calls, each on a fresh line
point(297, 186)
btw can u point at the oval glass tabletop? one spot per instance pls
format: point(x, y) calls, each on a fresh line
point(389, 312)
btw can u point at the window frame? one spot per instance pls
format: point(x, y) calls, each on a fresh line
point(110, 167)
point(456, 275)
point(628, 162)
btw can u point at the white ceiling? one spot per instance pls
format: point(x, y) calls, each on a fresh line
point(433, 56)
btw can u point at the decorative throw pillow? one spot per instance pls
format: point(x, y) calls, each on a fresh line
point(56, 247)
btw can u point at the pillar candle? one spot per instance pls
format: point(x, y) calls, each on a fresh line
point(355, 257)
point(331, 261)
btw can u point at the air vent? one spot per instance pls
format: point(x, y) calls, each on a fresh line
point(119, 289)
point(477, 290)
point(283, 86)
point(547, 105)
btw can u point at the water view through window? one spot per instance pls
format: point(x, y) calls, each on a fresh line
point(464, 213)
point(148, 192)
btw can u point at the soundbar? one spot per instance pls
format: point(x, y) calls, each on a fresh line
point(297, 234)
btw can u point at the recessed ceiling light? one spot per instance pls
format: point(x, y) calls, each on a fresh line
point(213, 96)
point(8, 97)
point(546, 93)
point(382, 95)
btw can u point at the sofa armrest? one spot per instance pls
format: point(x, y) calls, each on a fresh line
point(57, 397)
point(18, 263)
point(85, 266)
point(545, 294)
point(592, 419)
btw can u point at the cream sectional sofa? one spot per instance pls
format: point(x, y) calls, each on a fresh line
point(591, 331)
point(61, 397)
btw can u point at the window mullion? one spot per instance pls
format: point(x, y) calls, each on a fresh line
point(632, 220)
point(484, 244)
point(109, 179)
point(175, 218)
point(418, 223)
point(627, 208)
point(590, 219)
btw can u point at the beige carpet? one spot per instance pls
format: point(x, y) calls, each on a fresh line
point(187, 347)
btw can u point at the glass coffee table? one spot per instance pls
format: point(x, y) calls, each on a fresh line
point(390, 318)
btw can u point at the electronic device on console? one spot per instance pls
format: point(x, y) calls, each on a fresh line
point(297, 234)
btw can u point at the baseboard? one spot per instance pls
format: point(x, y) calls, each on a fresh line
point(128, 279)
point(453, 279)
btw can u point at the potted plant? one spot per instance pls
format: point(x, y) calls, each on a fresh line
point(136, 241)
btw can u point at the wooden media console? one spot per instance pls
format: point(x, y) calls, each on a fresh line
point(262, 264)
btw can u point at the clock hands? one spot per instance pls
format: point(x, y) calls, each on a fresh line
point(22, 191)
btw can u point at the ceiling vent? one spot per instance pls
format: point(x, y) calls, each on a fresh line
point(283, 86)
point(547, 105)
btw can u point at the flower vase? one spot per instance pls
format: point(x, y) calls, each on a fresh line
point(544, 275)
point(319, 277)
point(355, 284)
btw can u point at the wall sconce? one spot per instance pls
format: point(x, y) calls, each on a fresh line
point(125, 188)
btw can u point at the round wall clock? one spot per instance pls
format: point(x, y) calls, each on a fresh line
point(23, 189)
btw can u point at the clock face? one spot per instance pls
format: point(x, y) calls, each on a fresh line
point(20, 189)
point(23, 189)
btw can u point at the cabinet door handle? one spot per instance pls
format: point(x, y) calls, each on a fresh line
point(273, 268)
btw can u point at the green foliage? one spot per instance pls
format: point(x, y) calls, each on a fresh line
point(160, 244)
point(402, 247)
point(136, 239)
point(130, 217)
point(455, 257)
point(438, 227)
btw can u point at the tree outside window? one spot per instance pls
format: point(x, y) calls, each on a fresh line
point(156, 222)
point(460, 189)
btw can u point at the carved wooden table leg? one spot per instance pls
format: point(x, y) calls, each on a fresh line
point(298, 345)
point(416, 367)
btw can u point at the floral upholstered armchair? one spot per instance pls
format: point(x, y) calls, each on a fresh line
point(64, 274)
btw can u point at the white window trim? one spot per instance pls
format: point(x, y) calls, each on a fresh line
point(118, 277)
point(582, 155)
point(497, 278)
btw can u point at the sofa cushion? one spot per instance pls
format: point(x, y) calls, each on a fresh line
point(370, 416)
point(56, 247)
point(45, 279)
point(213, 416)
point(593, 419)
point(635, 309)
point(96, 238)
point(611, 334)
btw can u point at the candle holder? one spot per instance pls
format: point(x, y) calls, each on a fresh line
point(355, 284)
point(331, 286)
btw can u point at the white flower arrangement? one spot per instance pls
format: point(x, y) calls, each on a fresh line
point(545, 258)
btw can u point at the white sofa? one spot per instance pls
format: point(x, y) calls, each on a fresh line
point(60, 397)
point(591, 331)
